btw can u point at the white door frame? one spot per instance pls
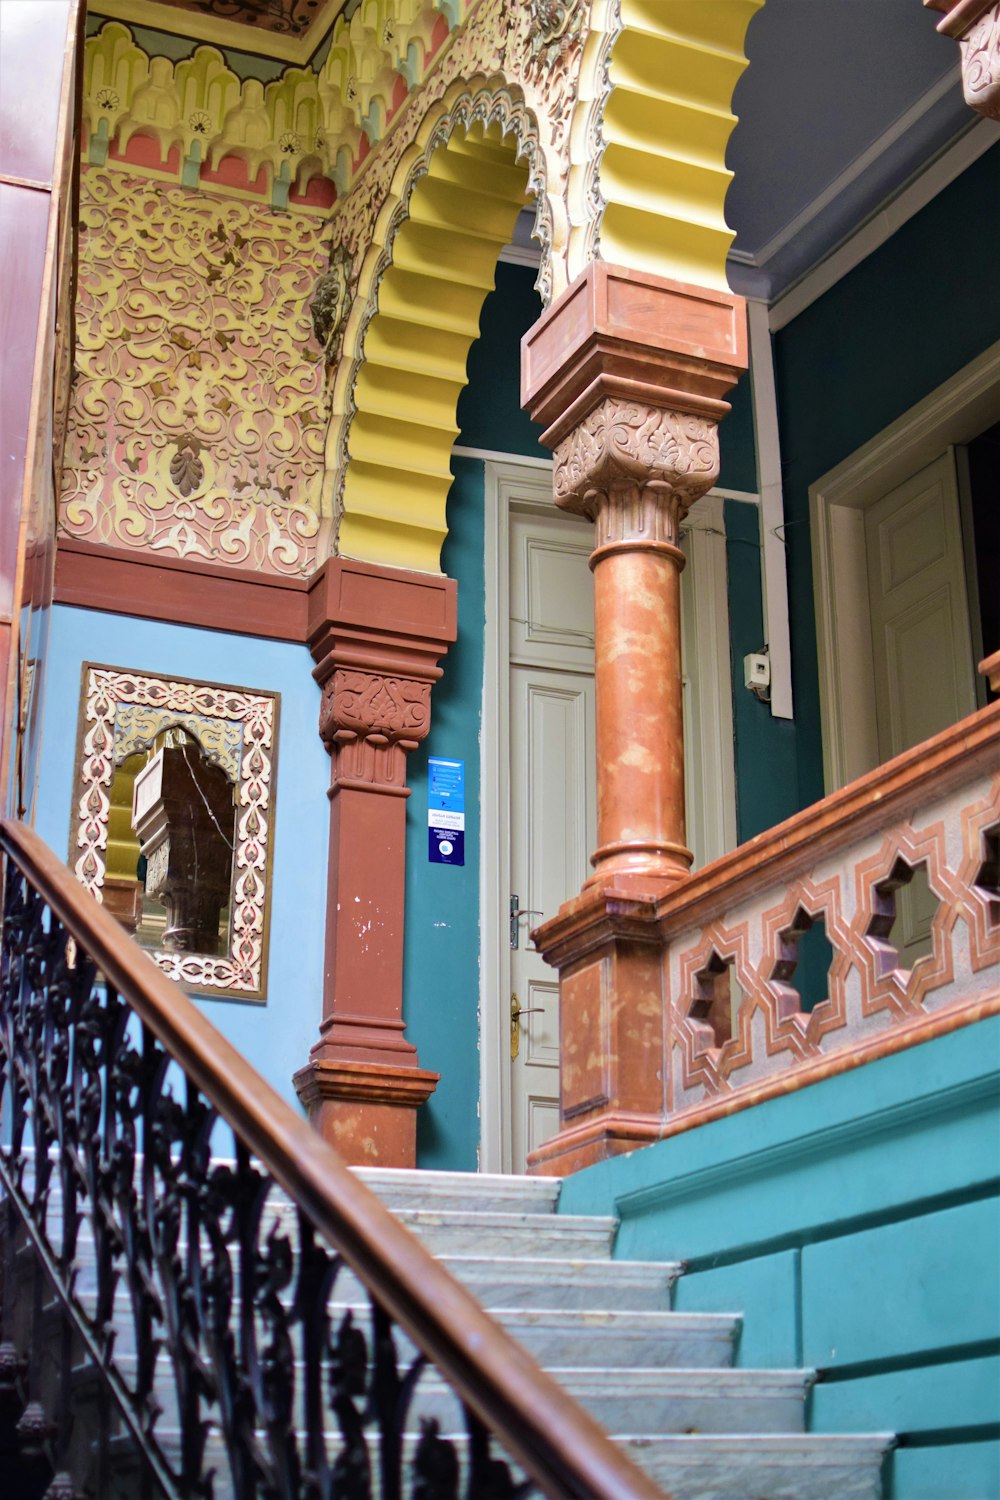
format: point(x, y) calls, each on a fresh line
point(954, 413)
point(705, 544)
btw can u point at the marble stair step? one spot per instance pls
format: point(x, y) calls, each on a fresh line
point(461, 1191)
point(522, 1281)
point(537, 1236)
point(657, 1402)
point(611, 1340)
point(690, 1467)
point(745, 1466)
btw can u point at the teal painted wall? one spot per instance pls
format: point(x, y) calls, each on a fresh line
point(905, 320)
point(856, 1227)
point(441, 945)
point(275, 1036)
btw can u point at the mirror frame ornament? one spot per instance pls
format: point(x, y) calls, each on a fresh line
point(121, 711)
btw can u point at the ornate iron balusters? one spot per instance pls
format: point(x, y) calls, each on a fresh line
point(203, 1294)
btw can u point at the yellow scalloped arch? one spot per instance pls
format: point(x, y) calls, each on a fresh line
point(397, 397)
point(663, 175)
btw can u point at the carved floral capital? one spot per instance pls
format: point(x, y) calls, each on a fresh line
point(636, 469)
point(369, 722)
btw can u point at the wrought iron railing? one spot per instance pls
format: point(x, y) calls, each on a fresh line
point(193, 1227)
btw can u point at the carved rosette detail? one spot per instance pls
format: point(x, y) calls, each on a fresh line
point(636, 469)
point(369, 723)
point(981, 64)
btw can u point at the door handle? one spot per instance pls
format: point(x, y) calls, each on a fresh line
point(516, 1012)
point(517, 916)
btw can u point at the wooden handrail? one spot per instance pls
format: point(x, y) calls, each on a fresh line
point(557, 1443)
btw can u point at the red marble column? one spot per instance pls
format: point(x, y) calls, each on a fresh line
point(377, 635)
point(629, 373)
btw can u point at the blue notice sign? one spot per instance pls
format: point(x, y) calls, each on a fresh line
point(446, 811)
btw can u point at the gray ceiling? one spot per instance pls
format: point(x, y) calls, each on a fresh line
point(864, 91)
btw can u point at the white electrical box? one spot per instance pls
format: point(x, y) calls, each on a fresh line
point(757, 670)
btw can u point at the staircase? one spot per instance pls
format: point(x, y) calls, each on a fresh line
point(200, 1301)
point(661, 1382)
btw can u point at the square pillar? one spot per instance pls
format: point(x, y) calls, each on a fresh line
point(377, 635)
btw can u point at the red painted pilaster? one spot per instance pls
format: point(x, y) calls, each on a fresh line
point(377, 635)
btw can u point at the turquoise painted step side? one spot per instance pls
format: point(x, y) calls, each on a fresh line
point(863, 1212)
point(874, 1142)
point(770, 1281)
point(959, 1471)
point(927, 1284)
point(935, 1398)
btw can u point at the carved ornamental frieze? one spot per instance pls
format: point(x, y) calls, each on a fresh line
point(975, 25)
point(198, 411)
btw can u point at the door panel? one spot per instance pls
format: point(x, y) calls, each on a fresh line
point(921, 642)
point(553, 829)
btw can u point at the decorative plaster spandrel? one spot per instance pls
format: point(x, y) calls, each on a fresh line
point(198, 412)
point(625, 446)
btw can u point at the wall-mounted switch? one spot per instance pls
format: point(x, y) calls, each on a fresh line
point(757, 671)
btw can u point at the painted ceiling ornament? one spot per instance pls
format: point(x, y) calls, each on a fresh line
point(331, 303)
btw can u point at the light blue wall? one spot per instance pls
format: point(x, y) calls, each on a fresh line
point(275, 1036)
point(856, 1226)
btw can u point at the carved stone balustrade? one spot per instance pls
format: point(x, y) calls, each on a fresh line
point(723, 1021)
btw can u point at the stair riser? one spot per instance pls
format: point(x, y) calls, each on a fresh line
point(822, 1469)
point(580, 1285)
point(463, 1192)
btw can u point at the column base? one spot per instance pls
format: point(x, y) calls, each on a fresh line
point(368, 1113)
point(612, 1022)
point(611, 1133)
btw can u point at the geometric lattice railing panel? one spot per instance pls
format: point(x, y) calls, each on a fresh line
point(842, 936)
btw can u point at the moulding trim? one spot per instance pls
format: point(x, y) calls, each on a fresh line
point(179, 591)
point(883, 224)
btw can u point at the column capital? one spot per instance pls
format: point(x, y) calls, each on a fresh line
point(635, 470)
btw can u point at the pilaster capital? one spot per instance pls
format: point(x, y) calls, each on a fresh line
point(636, 469)
point(377, 635)
point(370, 721)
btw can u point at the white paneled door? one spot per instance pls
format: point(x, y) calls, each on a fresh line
point(921, 643)
point(552, 789)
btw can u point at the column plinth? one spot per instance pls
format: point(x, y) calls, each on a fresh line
point(629, 374)
point(377, 635)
